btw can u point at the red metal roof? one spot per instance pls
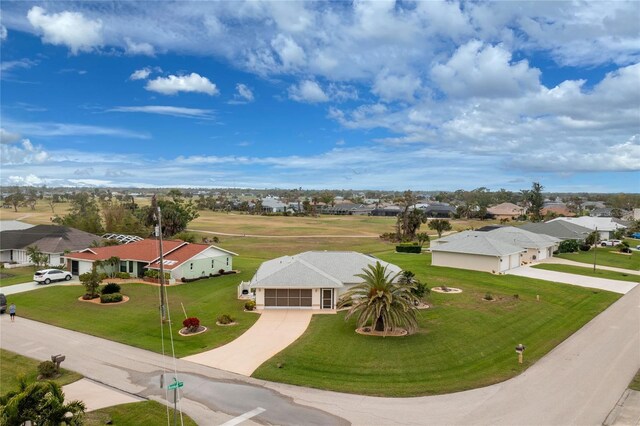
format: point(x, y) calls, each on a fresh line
point(141, 251)
point(178, 257)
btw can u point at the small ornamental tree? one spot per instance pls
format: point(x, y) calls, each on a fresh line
point(191, 324)
point(440, 225)
point(91, 282)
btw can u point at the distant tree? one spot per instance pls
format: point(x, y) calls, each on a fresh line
point(257, 206)
point(52, 204)
point(536, 201)
point(440, 226)
point(31, 198)
point(39, 403)
point(36, 256)
point(422, 238)
point(592, 238)
point(327, 198)
point(120, 219)
point(189, 237)
point(617, 213)
point(15, 199)
point(409, 219)
point(84, 214)
point(176, 215)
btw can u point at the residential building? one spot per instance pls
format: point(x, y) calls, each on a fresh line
point(560, 229)
point(605, 226)
point(507, 211)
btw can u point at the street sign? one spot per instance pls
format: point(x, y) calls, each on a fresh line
point(175, 385)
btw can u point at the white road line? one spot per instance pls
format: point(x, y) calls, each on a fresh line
point(243, 417)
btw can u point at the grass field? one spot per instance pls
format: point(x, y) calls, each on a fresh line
point(599, 273)
point(463, 342)
point(635, 383)
point(135, 414)
point(137, 322)
point(16, 275)
point(606, 256)
point(14, 366)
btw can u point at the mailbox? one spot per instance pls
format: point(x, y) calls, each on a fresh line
point(57, 359)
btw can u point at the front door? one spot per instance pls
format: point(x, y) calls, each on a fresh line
point(327, 298)
point(74, 267)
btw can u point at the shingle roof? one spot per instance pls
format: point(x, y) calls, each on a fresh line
point(183, 253)
point(523, 238)
point(478, 243)
point(13, 225)
point(506, 209)
point(602, 223)
point(48, 238)
point(142, 251)
point(314, 269)
point(560, 229)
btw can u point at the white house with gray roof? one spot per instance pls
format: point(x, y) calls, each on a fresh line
point(310, 280)
point(495, 251)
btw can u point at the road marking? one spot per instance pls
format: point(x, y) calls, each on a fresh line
point(243, 417)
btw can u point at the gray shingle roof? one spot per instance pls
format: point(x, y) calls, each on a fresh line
point(560, 229)
point(48, 238)
point(478, 243)
point(315, 269)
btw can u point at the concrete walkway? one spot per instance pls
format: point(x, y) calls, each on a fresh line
point(562, 261)
point(275, 330)
point(622, 287)
point(96, 395)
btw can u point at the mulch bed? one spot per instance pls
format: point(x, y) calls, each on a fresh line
point(450, 290)
point(396, 333)
point(186, 333)
point(225, 325)
point(96, 301)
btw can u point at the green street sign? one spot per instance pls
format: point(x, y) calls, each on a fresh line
point(175, 385)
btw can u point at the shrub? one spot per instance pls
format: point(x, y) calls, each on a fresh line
point(225, 319)
point(516, 296)
point(221, 271)
point(110, 288)
point(123, 275)
point(410, 248)
point(250, 305)
point(444, 288)
point(191, 324)
point(88, 296)
point(568, 246)
point(111, 298)
point(585, 247)
point(47, 369)
point(488, 296)
point(103, 276)
point(420, 290)
point(151, 273)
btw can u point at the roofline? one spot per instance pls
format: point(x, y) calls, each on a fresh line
point(180, 264)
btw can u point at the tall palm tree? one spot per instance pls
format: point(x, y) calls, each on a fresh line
point(381, 301)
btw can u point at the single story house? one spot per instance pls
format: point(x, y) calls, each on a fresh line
point(496, 250)
point(310, 280)
point(52, 240)
point(508, 211)
point(181, 259)
point(347, 209)
point(605, 226)
point(560, 229)
point(273, 205)
point(442, 210)
point(14, 225)
point(558, 209)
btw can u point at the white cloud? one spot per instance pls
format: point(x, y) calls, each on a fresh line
point(53, 129)
point(25, 153)
point(141, 74)
point(244, 94)
point(3, 33)
point(392, 87)
point(143, 48)
point(167, 110)
point(290, 53)
point(28, 180)
point(308, 91)
point(8, 137)
point(486, 71)
point(20, 63)
point(70, 29)
point(173, 84)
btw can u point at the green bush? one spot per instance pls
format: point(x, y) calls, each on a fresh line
point(47, 369)
point(488, 296)
point(250, 305)
point(151, 273)
point(568, 246)
point(409, 248)
point(110, 288)
point(225, 319)
point(585, 247)
point(103, 276)
point(111, 298)
point(420, 290)
point(123, 275)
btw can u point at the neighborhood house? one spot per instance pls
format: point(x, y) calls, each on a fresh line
point(310, 280)
point(181, 259)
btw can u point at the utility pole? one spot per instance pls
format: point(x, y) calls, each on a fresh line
point(595, 249)
point(158, 230)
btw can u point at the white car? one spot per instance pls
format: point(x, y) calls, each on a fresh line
point(48, 275)
point(611, 243)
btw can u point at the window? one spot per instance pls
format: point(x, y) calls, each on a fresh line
point(131, 266)
point(123, 266)
point(212, 264)
point(227, 261)
point(191, 265)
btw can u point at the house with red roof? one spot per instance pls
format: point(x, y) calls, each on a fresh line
point(181, 259)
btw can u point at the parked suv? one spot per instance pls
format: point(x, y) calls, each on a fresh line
point(3, 303)
point(606, 243)
point(48, 275)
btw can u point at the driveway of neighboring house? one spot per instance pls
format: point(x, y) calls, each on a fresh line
point(622, 287)
point(563, 261)
point(96, 395)
point(21, 288)
point(275, 330)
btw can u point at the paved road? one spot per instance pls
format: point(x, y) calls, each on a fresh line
point(274, 331)
point(21, 288)
point(579, 382)
point(563, 261)
point(616, 286)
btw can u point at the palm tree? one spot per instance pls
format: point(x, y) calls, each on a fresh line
point(42, 403)
point(381, 301)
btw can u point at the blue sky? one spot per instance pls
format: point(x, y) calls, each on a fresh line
point(382, 95)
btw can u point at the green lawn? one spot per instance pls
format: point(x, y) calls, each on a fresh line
point(16, 275)
point(599, 273)
point(134, 414)
point(463, 342)
point(635, 383)
point(136, 322)
point(607, 256)
point(14, 366)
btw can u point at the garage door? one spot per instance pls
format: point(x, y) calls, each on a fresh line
point(287, 297)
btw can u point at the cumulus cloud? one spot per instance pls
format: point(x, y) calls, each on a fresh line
point(394, 87)
point(193, 83)
point(141, 74)
point(69, 29)
point(28, 180)
point(308, 91)
point(166, 110)
point(133, 48)
point(476, 69)
point(290, 53)
point(24, 153)
point(8, 137)
point(243, 94)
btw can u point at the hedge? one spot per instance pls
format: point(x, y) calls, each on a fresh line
point(409, 249)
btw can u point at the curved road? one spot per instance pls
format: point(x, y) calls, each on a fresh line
point(578, 382)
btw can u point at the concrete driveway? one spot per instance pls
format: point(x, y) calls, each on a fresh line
point(622, 287)
point(21, 288)
point(275, 330)
point(96, 395)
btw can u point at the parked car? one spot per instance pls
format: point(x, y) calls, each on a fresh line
point(635, 235)
point(610, 243)
point(48, 275)
point(3, 303)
